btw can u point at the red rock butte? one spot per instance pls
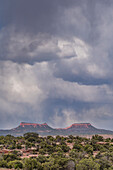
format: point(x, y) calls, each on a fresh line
point(32, 124)
point(75, 125)
point(79, 125)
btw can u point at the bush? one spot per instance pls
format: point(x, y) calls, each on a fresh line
point(15, 164)
point(87, 164)
point(31, 164)
point(3, 164)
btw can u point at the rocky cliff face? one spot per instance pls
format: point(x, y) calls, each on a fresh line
point(79, 125)
point(23, 124)
point(44, 129)
point(78, 128)
point(32, 127)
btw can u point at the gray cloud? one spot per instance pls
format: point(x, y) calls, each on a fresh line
point(32, 93)
point(24, 48)
point(56, 62)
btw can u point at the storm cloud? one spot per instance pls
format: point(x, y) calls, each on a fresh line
point(56, 62)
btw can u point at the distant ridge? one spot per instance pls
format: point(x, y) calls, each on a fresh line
point(44, 129)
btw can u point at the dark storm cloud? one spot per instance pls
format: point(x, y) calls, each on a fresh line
point(35, 16)
point(64, 19)
point(44, 16)
point(31, 17)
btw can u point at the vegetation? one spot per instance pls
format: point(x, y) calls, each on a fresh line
point(31, 151)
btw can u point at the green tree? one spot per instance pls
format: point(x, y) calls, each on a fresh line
point(104, 162)
point(65, 148)
point(89, 149)
point(31, 164)
point(10, 157)
point(31, 134)
point(78, 147)
point(98, 138)
point(87, 164)
point(15, 164)
point(76, 154)
point(42, 159)
point(19, 146)
point(3, 164)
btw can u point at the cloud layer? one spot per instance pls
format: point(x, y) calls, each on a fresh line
point(56, 62)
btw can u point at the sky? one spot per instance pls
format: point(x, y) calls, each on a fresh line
point(56, 62)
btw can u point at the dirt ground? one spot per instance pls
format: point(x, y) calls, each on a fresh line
point(104, 136)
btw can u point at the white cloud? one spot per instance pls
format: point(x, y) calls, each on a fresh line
point(64, 119)
point(19, 83)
